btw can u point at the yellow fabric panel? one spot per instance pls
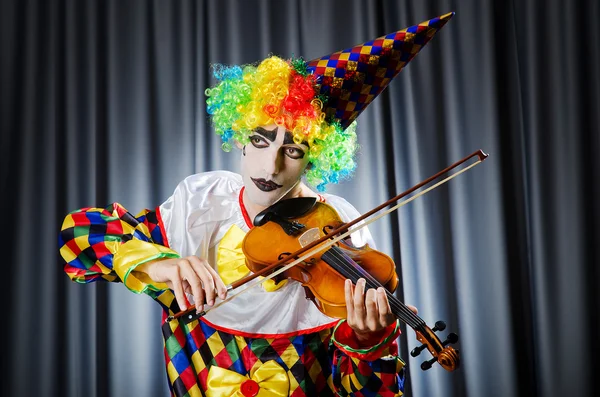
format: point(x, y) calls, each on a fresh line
point(68, 222)
point(67, 253)
point(134, 253)
point(231, 262)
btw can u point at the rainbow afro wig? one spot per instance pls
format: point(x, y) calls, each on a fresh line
point(282, 92)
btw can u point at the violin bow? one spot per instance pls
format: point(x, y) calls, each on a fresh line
point(341, 232)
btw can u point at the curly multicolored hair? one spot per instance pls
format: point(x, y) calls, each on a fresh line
point(281, 92)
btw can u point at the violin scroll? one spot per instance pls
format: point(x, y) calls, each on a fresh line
point(443, 354)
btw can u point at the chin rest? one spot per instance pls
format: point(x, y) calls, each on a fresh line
point(286, 209)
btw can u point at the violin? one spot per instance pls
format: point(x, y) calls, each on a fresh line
point(281, 241)
point(323, 273)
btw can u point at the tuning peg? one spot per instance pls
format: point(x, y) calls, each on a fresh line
point(452, 338)
point(417, 350)
point(425, 365)
point(439, 326)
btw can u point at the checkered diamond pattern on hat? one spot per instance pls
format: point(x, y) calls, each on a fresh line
point(352, 78)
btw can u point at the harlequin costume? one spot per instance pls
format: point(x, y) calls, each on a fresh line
point(271, 341)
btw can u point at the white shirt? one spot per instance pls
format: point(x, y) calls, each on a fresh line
point(197, 216)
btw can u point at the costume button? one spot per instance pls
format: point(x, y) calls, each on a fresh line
point(249, 388)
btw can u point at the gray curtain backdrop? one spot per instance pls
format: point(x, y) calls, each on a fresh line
point(104, 101)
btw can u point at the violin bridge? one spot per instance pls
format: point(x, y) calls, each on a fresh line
point(309, 236)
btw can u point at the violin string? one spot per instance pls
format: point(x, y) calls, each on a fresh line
point(357, 271)
point(353, 267)
point(353, 271)
point(398, 308)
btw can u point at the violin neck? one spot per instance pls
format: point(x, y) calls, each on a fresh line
point(402, 312)
point(348, 268)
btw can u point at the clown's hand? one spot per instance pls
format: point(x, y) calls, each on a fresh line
point(191, 275)
point(369, 313)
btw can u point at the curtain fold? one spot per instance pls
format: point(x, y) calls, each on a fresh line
point(104, 101)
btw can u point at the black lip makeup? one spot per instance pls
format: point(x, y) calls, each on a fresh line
point(264, 185)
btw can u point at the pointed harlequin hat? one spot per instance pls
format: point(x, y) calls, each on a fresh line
point(316, 101)
point(351, 79)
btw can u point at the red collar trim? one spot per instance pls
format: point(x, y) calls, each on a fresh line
point(243, 208)
point(161, 227)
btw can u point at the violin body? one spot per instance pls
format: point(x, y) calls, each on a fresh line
point(323, 272)
point(266, 244)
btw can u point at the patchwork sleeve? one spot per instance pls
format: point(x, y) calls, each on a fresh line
point(108, 243)
point(371, 371)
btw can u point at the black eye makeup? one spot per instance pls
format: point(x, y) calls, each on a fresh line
point(258, 142)
point(294, 152)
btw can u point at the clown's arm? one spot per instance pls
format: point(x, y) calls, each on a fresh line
point(374, 370)
point(109, 243)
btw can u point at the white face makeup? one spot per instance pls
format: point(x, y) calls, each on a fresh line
point(272, 165)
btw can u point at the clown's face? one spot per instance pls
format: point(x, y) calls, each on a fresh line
point(272, 165)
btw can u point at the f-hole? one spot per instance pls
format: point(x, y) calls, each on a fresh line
point(327, 228)
point(283, 255)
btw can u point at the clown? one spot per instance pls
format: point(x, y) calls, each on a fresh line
point(294, 123)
